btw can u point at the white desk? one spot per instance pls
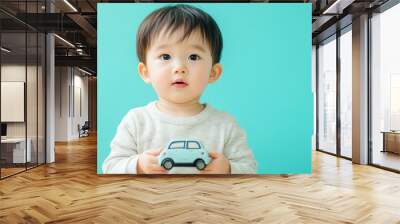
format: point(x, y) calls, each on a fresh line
point(19, 149)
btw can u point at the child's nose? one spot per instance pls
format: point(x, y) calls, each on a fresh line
point(180, 69)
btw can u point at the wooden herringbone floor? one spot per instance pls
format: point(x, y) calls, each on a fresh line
point(70, 191)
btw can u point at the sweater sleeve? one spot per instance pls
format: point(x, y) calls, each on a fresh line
point(123, 156)
point(238, 152)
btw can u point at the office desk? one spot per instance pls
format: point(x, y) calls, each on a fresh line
point(391, 141)
point(15, 148)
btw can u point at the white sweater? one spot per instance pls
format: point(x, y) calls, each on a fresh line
point(146, 128)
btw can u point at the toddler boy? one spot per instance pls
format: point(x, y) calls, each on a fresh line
point(179, 49)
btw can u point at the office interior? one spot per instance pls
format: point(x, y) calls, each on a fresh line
point(49, 93)
point(355, 67)
point(48, 80)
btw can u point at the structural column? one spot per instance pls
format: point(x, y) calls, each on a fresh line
point(50, 92)
point(360, 90)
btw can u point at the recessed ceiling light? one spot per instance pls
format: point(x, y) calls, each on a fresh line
point(64, 40)
point(5, 50)
point(338, 6)
point(84, 71)
point(70, 5)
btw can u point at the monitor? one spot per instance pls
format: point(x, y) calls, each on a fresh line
point(3, 129)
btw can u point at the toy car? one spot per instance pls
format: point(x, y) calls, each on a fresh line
point(184, 153)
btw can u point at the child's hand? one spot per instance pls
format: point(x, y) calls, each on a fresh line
point(219, 164)
point(148, 163)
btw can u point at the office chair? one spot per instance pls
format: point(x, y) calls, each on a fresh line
point(84, 130)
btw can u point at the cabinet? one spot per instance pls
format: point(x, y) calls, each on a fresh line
point(391, 141)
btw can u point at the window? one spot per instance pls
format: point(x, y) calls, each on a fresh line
point(385, 88)
point(346, 93)
point(177, 145)
point(193, 145)
point(395, 102)
point(327, 95)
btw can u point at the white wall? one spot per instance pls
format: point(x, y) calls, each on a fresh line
point(34, 125)
point(61, 103)
point(12, 73)
point(15, 72)
point(70, 83)
point(81, 84)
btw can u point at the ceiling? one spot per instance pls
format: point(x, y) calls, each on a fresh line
point(76, 22)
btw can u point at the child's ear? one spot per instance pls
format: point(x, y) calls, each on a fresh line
point(143, 72)
point(216, 72)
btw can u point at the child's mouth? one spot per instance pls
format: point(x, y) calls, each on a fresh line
point(179, 84)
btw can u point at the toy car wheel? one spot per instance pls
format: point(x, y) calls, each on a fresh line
point(167, 164)
point(200, 164)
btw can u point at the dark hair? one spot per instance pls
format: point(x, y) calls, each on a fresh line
point(173, 18)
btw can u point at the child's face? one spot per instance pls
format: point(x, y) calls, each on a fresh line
point(179, 70)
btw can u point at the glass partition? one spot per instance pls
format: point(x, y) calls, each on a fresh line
point(13, 109)
point(385, 89)
point(327, 95)
point(22, 67)
point(346, 93)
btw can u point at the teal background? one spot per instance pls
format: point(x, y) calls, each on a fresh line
point(265, 85)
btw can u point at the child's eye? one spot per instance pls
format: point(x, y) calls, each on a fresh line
point(194, 57)
point(165, 57)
